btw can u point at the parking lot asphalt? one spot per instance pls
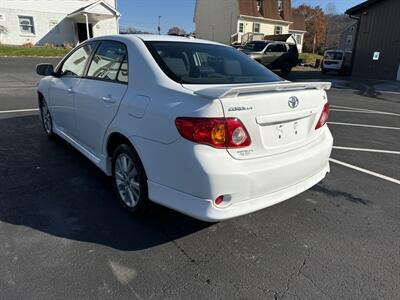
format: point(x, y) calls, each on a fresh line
point(63, 235)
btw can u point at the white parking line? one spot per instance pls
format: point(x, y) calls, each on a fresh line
point(366, 150)
point(389, 92)
point(396, 181)
point(363, 125)
point(18, 111)
point(356, 109)
point(366, 112)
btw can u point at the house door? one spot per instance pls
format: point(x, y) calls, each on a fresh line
point(82, 33)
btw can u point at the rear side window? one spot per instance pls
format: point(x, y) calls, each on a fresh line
point(110, 62)
point(196, 63)
point(276, 48)
point(74, 65)
point(255, 46)
point(334, 55)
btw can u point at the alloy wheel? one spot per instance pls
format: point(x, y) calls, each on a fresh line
point(127, 180)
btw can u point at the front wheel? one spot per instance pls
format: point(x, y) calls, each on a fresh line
point(130, 180)
point(47, 121)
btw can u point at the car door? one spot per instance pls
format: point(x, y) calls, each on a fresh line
point(100, 92)
point(62, 88)
point(273, 53)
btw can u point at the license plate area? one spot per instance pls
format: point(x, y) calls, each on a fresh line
point(285, 133)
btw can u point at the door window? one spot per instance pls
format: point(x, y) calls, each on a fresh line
point(276, 48)
point(74, 65)
point(109, 63)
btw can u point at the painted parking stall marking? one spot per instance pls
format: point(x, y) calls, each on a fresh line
point(364, 125)
point(387, 178)
point(366, 150)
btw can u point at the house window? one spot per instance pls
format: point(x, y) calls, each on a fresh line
point(256, 27)
point(280, 5)
point(298, 38)
point(53, 25)
point(349, 39)
point(278, 29)
point(26, 24)
point(259, 3)
point(241, 27)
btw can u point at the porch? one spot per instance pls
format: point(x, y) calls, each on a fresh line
point(93, 20)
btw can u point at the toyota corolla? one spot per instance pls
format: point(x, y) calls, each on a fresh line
point(190, 124)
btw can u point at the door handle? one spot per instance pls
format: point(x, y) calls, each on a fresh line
point(108, 99)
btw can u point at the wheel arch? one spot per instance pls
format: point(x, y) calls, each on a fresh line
point(113, 141)
point(40, 98)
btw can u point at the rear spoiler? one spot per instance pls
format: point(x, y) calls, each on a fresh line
point(236, 90)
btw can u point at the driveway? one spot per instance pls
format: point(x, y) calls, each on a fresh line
point(64, 236)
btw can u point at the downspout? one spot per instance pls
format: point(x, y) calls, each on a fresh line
point(87, 26)
point(353, 52)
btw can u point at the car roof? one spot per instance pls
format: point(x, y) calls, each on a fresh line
point(157, 38)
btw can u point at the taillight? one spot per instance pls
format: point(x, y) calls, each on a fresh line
point(216, 132)
point(324, 117)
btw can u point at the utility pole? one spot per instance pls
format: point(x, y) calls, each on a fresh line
point(159, 25)
point(315, 42)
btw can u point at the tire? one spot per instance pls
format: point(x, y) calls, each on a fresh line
point(285, 71)
point(130, 180)
point(45, 117)
point(323, 71)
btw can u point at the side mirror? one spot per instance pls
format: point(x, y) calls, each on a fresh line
point(45, 69)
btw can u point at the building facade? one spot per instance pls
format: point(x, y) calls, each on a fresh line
point(376, 52)
point(56, 22)
point(239, 21)
point(347, 38)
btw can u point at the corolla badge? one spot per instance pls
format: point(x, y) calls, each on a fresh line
point(293, 102)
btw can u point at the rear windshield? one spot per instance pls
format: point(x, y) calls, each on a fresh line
point(334, 55)
point(255, 46)
point(195, 63)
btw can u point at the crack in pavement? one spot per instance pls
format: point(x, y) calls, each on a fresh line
point(279, 294)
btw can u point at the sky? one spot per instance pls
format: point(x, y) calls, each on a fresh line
point(143, 14)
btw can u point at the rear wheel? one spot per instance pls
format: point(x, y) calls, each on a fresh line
point(130, 180)
point(47, 121)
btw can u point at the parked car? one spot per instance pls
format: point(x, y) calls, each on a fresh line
point(334, 60)
point(274, 55)
point(192, 125)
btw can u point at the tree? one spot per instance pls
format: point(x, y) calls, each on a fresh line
point(336, 24)
point(131, 30)
point(177, 31)
point(314, 39)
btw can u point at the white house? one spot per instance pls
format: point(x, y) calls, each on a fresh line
point(239, 21)
point(56, 21)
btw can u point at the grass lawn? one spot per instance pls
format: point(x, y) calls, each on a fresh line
point(33, 51)
point(309, 57)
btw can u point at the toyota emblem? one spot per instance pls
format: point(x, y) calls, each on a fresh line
point(293, 102)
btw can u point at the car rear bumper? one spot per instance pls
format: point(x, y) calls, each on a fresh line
point(205, 209)
point(249, 185)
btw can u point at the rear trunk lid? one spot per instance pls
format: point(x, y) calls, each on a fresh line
point(279, 117)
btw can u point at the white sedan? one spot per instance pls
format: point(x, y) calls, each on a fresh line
point(190, 124)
